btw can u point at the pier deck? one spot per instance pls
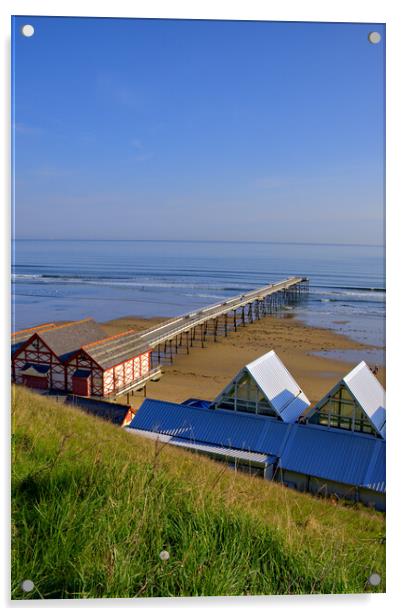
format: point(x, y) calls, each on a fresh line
point(222, 317)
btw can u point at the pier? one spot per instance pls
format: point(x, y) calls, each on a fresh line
point(77, 358)
point(193, 329)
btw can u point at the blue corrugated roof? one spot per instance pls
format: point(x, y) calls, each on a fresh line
point(223, 452)
point(332, 454)
point(329, 454)
point(217, 427)
point(375, 478)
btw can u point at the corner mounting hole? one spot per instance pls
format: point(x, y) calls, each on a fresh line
point(27, 585)
point(28, 30)
point(374, 37)
point(374, 579)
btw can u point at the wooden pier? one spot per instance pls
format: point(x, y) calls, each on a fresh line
point(193, 329)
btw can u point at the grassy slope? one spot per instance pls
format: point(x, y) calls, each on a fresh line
point(93, 507)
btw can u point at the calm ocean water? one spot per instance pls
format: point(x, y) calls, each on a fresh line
point(63, 280)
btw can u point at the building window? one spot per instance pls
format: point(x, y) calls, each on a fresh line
point(341, 411)
point(245, 396)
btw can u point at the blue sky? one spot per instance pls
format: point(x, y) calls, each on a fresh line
point(164, 129)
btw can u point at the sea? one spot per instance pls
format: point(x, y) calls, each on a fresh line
point(54, 280)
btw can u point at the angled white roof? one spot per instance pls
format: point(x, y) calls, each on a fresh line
point(369, 394)
point(278, 386)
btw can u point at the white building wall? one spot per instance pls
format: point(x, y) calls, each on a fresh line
point(108, 381)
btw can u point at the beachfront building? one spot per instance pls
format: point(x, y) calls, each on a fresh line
point(39, 355)
point(305, 452)
point(18, 338)
point(356, 403)
point(310, 458)
point(264, 387)
point(111, 366)
point(79, 358)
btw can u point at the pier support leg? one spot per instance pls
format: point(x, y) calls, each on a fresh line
point(225, 326)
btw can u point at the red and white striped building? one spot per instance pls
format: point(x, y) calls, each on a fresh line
point(108, 367)
point(39, 360)
point(78, 358)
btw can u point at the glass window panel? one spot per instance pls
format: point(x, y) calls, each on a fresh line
point(345, 394)
point(328, 406)
point(347, 410)
point(245, 406)
point(248, 391)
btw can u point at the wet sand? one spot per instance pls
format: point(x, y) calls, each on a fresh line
point(205, 371)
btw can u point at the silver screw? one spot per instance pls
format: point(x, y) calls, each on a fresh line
point(374, 579)
point(27, 585)
point(374, 37)
point(27, 30)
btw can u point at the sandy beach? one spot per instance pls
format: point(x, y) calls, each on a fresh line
point(205, 371)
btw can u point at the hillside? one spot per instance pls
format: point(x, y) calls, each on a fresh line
point(93, 506)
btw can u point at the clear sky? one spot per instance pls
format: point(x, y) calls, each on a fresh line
point(165, 129)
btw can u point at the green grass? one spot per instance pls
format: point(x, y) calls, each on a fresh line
point(93, 506)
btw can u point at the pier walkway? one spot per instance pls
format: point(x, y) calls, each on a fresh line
point(193, 328)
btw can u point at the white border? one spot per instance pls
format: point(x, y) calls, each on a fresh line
point(288, 10)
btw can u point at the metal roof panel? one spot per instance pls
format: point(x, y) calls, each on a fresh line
point(223, 452)
point(327, 453)
point(117, 349)
point(279, 387)
point(375, 478)
point(369, 393)
point(244, 431)
point(336, 455)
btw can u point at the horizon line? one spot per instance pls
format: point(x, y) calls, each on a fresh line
point(201, 241)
